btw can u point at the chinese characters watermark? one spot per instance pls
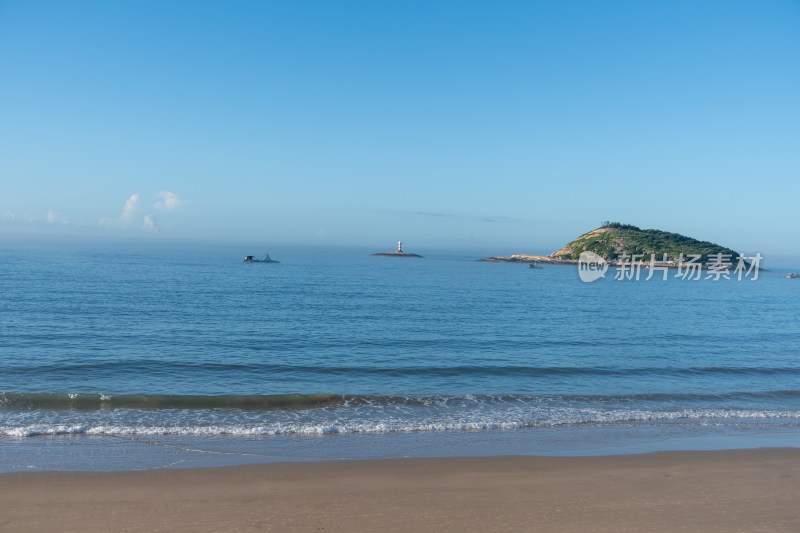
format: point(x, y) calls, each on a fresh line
point(717, 266)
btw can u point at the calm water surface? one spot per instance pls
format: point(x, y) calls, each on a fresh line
point(191, 342)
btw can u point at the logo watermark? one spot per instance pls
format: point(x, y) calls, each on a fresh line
point(592, 267)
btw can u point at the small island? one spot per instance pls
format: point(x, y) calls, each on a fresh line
point(616, 242)
point(398, 253)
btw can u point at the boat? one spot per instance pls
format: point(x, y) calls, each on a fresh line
point(796, 275)
point(265, 259)
point(534, 265)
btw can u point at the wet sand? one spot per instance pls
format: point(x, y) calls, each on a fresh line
point(738, 490)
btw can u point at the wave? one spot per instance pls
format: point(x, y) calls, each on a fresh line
point(141, 415)
point(206, 427)
point(100, 401)
point(84, 401)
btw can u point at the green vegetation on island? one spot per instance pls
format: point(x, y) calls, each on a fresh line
point(613, 239)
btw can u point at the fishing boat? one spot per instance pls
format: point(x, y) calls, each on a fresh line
point(534, 265)
point(796, 275)
point(265, 259)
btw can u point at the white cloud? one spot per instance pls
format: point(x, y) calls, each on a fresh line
point(131, 212)
point(168, 201)
point(130, 207)
point(125, 217)
point(53, 217)
point(13, 217)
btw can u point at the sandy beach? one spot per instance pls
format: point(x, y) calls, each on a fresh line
point(741, 490)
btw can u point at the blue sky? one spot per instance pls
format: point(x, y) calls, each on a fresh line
point(498, 127)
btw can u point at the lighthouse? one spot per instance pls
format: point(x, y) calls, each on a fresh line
point(399, 252)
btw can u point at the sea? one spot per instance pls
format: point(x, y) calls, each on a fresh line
point(121, 356)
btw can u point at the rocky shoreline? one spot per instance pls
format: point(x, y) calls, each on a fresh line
point(397, 254)
point(525, 258)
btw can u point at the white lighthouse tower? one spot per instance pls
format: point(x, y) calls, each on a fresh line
point(399, 247)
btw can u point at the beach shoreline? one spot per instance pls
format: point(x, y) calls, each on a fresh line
point(727, 490)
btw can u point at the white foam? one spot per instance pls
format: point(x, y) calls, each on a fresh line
point(366, 421)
